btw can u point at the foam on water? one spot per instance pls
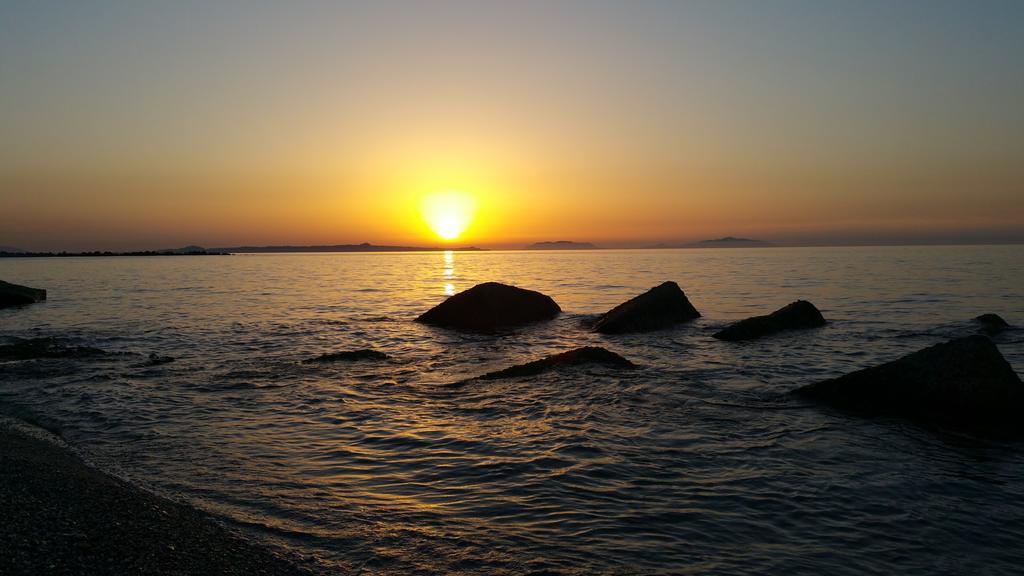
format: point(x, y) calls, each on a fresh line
point(695, 462)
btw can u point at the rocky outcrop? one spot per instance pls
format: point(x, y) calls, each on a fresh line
point(28, 349)
point(577, 357)
point(17, 295)
point(347, 356)
point(659, 307)
point(489, 306)
point(798, 315)
point(992, 323)
point(964, 383)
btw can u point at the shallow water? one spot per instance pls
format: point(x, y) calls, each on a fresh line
point(697, 462)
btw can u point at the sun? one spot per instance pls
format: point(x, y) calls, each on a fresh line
point(448, 212)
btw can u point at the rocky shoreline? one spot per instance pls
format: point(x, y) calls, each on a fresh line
point(62, 516)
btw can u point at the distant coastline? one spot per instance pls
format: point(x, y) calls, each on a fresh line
point(95, 253)
point(364, 247)
point(6, 252)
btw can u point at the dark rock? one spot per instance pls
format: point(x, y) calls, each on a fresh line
point(491, 305)
point(577, 357)
point(798, 315)
point(964, 383)
point(992, 323)
point(45, 348)
point(17, 295)
point(659, 307)
point(347, 356)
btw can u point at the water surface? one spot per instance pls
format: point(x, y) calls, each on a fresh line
point(697, 462)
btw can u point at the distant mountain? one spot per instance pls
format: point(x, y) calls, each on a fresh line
point(11, 250)
point(186, 250)
point(561, 245)
point(725, 242)
point(364, 247)
point(731, 241)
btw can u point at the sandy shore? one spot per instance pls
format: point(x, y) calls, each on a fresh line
point(60, 516)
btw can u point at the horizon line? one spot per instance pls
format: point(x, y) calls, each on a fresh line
point(370, 248)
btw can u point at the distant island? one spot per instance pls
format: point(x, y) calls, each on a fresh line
point(724, 242)
point(364, 247)
point(561, 245)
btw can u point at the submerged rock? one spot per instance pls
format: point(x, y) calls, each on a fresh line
point(45, 348)
point(17, 295)
point(659, 307)
point(964, 383)
point(577, 357)
point(992, 323)
point(491, 305)
point(155, 360)
point(347, 356)
point(798, 315)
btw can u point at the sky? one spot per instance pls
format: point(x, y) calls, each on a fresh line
point(136, 125)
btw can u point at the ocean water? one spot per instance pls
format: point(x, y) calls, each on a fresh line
point(698, 462)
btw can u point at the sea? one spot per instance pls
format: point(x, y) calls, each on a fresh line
point(698, 462)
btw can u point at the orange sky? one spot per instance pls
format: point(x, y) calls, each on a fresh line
point(622, 125)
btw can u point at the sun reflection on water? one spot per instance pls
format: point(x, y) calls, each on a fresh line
point(448, 271)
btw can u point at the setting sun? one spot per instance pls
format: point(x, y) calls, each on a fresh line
point(448, 212)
